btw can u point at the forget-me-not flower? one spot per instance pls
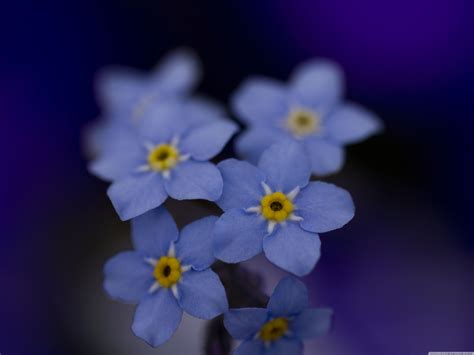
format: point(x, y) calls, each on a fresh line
point(280, 328)
point(309, 109)
point(124, 93)
point(168, 272)
point(275, 209)
point(166, 156)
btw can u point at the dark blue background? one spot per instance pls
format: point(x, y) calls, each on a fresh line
point(400, 276)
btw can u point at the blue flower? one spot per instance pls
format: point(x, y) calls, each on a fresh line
point(167, 155)
point(124, 93)
point(275, 209)
point(310, 109)
point(166, 274)
point(282, 326)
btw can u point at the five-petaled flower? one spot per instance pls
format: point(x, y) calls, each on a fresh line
point(124, 94)
point(167, 273)
point(274, 208)
point(282, 326)
point(167, 155)
point(309, 110)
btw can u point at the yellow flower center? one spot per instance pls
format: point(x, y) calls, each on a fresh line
point(274, 329)
point(276, 206)
point(167, 271)
point(303, 123)
point(163, 157)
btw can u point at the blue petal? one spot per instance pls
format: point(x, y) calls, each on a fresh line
point(244, 323)
point(260, 101)
point(352, 123)
point(238, 236)
point(201, 294)
point(192, 180)
point(118, 149)
point(194, 246)
point(293, 249)
point(324, 207)
point(201, 110)
point(153, 232)
point(128, 277)
point(178, 72)
point(207, 141)
point(250, 347)
point(286, 166)
point(325, 157)
point(289, 297)
point(312, 323)
point(137, 194)
point(252, 143)
point(318, 84)
point(162, 121)
point(118, 87)
point(285, 347)
point(157, 317)
point(242, 185)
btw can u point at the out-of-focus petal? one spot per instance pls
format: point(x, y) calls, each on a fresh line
point(312, 323)
point(250, 347)
point(325, 157)
point(260, 101)
point(252, 143)
point(351, 123)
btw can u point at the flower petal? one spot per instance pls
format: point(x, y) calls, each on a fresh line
point(118, 87)
point(128, 277)
point(289, 297)
point(325, 157)
point(161, 121)
point(286, 166)
point(194, 246)
point(202, 110)
point(178, 72)
point(243, 323)
point(207, 141)
point(260, 101)
point(286, 347)
point(137, 194)
point(153, 232)
point(238, 236)
point(312, 323)
point(192, 180)
point(157, 317)
point(250, 347)
point(293, 249)
point(201, 294)
point(324, 207)
point(252, 143)
point(318, 84)
point(242, 184)
point(352, 123)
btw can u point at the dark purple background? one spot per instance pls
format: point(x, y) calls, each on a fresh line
point(399, 277)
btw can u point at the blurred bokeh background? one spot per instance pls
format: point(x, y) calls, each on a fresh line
point(400, 276)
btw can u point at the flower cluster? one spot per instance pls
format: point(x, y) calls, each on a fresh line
point(156, 141)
